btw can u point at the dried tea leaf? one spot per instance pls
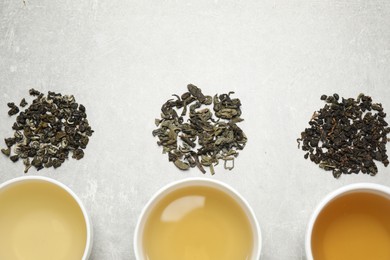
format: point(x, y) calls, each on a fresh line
point(181, 165)
point(346, 136)
point(6, 152)
point(201, 140)
point(51, 127)
point(14, 158)
point(23, 103)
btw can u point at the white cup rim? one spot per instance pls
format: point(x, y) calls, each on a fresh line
point(235, 195)
point(89, 242)
point(364, 186)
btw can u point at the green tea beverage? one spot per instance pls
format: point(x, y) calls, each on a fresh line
point(197, 223)
point(40, 221)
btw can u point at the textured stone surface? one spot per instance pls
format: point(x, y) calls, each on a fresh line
point(122, 59)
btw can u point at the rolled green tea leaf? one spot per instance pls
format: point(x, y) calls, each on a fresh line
point(193, 137)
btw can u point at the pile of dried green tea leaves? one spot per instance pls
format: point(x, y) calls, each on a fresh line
point(201, 140)
point(48, 130)
point(346, 136)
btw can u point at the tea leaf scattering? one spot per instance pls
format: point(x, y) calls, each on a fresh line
point(47, 131)
point(202, 140)
point(346, 136)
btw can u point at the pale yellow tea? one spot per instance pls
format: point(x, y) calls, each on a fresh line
point(197, 223)
point(355, 226)
point(40, 221)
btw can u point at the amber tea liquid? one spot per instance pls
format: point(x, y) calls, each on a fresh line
point(197, 223)
point(355, 226)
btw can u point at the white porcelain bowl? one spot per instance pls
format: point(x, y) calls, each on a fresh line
point(12, 182)
point(357, 187)
point(138, 247)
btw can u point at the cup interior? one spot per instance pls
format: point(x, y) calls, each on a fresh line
point(342, 192)
point(194, 182)
point(35, 199)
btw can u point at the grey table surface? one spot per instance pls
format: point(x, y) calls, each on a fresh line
point(122, 59)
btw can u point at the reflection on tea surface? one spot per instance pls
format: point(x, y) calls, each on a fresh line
point(199, 223)
point(181, 207)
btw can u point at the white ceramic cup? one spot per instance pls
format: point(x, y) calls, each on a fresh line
point(357, 187)
point(138, 235)
point(88, 246)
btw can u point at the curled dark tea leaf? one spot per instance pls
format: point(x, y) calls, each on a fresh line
point(10, 141)
point(34, 92)
point(78, 154)
point(14, 158)
point(13, 109)
point(23, 103)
